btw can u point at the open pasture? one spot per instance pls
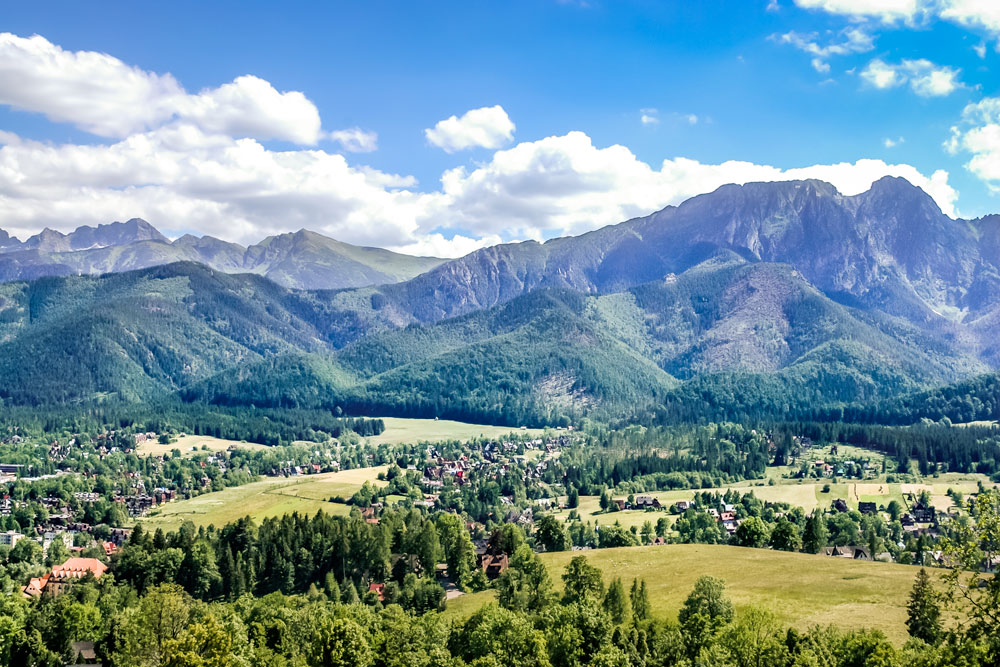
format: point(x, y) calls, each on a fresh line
point(802, 590)
point(269, 497)
point(194, 444)
point(412, 431)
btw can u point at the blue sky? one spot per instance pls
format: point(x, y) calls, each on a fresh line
point(792, 84)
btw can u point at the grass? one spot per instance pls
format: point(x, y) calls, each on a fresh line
point(270, 497)
point(412, 431)
point(152, 447)
point(802, 590)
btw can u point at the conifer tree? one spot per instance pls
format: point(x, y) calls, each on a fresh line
point(923, 613)
point(616, 602)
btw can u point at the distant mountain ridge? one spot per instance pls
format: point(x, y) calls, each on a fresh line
point(301, 260)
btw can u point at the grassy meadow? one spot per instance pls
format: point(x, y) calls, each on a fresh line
point(269, 497)
point(194, 444)
point(411, 431)
point(802, 590)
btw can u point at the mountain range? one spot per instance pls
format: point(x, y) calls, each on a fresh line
point(304, 259)
point(765, 299)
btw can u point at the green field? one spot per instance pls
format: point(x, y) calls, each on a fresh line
point(801, 589)
point(272, 496)
point(197, 442)
point(411, 431)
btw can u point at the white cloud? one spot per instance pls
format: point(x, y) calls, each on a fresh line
point(979, 135)
point(691, 119)
point(889, 142)
point(851, 40)
point(925, 78)
point(104, 96)
point(180, 177)
point(980, 50)
point(356, 140)
point(488, 127)
point(882, 75)
point(820, 66)
point(889, 11)
point(973, 13)
point(649, 116)
point(976, 14)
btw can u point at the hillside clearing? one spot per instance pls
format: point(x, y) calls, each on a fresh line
point(399, 430)
point(269, 497)
point(801, 589)
point(189, 445)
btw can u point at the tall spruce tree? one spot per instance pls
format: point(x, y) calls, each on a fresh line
point(923, 612)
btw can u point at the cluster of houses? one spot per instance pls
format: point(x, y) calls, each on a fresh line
point(290, 469)
point(46, 535)
point(638, 503)
point(498, 459)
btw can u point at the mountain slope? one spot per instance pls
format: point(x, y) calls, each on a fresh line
point(889, 249)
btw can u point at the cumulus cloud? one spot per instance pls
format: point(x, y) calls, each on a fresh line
point(889, 142)
point(356, 140)
point(102, 95)
point(487, 127)
point(925, 78)
point(979, 135)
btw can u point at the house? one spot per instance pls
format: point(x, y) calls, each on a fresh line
point(855, 553)
point(63, 576)
point(10, 538)
point(378, 590)
point(867, 508)
point(923, 513)
point(840, 505)
point(619, 503)
point(727, 517)
point(643, 502)
point(684, 505)
point(84, 653)
point(493, 565)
